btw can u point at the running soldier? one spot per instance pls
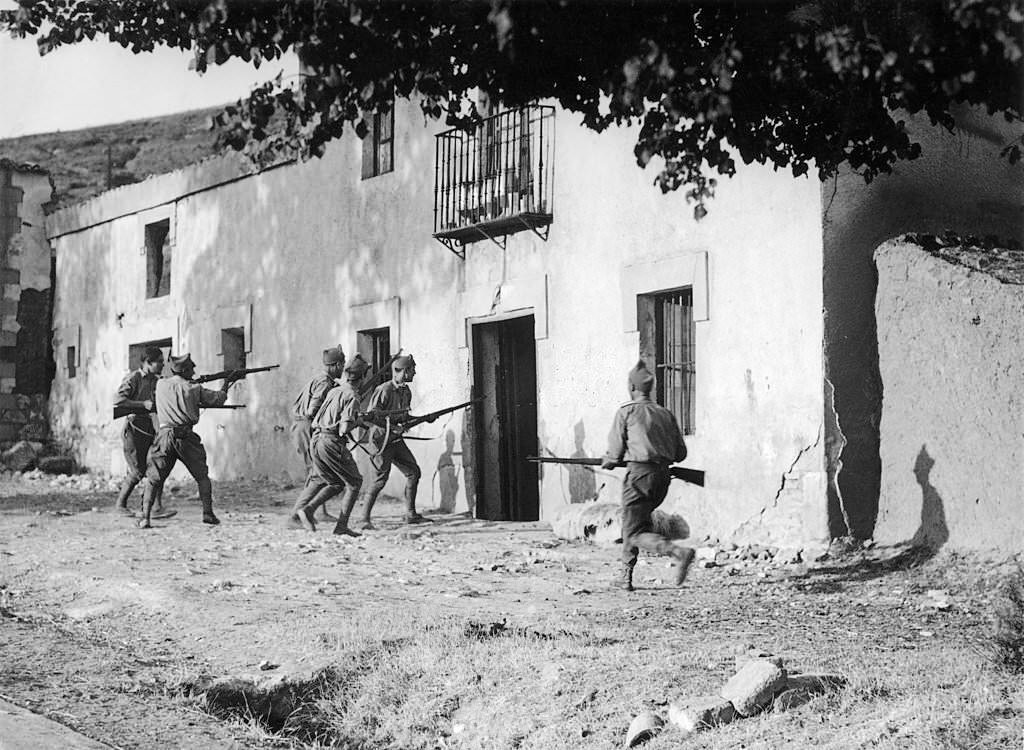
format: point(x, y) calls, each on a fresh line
point(177, 409)
point(393, 399)
point(136, 392)
point(308, 403)
point(334, 469)
point(647, 438)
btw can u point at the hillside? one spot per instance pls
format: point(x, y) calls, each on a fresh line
point(81, 161)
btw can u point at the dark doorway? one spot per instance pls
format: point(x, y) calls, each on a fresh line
point(505, 374)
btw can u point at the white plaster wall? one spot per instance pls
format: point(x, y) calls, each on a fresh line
point(305, 243)
point(951, 353)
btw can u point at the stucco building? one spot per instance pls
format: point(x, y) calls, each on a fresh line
point(530, 263)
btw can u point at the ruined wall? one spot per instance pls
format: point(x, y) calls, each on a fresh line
point(25, 258)
point(306, 254)
point(959, 184)
point(951, 356)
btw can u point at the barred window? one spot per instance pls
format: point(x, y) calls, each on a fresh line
point(668, 346)
point(374, 344)
point(378, 145)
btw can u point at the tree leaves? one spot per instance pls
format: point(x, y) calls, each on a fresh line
point(786, 83)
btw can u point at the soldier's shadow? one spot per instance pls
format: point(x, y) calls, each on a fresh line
point(932, 533)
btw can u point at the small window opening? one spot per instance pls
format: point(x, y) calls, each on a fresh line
point(668, 346)
point(158, 259)
point(232, 341)
point(72, 361)
point(374, 344)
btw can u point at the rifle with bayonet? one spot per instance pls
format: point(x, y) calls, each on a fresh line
point(402, 419)
point(692, 476)
point(241, 372)
point(124, 411)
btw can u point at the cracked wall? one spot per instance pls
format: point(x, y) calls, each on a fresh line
point(959, 183)
point(26, 363)
point(951, 348)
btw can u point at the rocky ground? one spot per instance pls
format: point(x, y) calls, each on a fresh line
point(470, 634)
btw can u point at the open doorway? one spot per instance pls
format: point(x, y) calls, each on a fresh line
point(505, 374)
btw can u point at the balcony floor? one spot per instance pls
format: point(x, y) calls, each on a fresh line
point(492, 228)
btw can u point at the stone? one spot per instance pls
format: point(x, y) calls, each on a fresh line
point(643, 728)
point(705, 553)
point(20, 457)
point(754, 686)
point(57, 465)
point(749, 652)
point(789, 556)
point(792, 698)
point(700, 713)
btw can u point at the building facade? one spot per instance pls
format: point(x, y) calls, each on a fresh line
point(529, 264)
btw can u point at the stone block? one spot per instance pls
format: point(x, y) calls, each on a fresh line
point(12, 291)
point(791, 698)
point(643, 728)
point(8, 339)
point(10, 276)
point(9, 307)
point(754, 686)
point(8, 401)
point(9, 323)
point(20, 457)
point(8, 433)
point(57, 465)
point(7, 369)
point(699, 713)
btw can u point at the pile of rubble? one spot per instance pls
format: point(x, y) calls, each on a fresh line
point(761, 683)
point(71, 482)
point(26, 454)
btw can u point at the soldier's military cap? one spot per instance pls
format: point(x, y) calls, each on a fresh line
point(641, 378)
point(334, 356)
point(357, 365)
point(403, 362)
point(182, 363)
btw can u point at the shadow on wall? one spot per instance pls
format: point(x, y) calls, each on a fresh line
point(582, 482)
point(448, 474)
point(933, 532)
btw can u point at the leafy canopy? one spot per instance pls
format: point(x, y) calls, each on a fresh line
point(787, 83)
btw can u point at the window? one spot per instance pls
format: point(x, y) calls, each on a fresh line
point(135, 351)
point(375, 346)
point(158, 259)
point(232, 343)
point(72, 361)
point(668, 346)
point(378, 145)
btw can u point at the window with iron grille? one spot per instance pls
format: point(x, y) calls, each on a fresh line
point(668, 346)
point(378, 145)
point(374, 345)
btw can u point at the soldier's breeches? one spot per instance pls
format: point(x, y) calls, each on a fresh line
point(301, 433)
point(399, 455)
point(168, 449)
point(136, 444)
point(643, 490)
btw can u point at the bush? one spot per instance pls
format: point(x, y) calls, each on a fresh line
point(1008, 641)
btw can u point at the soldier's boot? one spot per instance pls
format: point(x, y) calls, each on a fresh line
point(411, 516)
point(127, 486)
point(371, 498)
point(206, 497)
point(325, 516)
point(321, 497)
point(683, 556)
point(624, 577)
point(348, 502)
point(147, 506)
point(309, 491)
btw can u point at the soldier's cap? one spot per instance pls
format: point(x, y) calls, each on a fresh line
point(403, 362)
point(182, 363)
point(357, 365)
point(641, 378)
point(334, 356)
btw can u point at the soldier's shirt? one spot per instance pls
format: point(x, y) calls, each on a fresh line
point(311, 398)
point(388, 397)
point(137, 386)
point(178, 401)
point(339, 412)
point(645, 432)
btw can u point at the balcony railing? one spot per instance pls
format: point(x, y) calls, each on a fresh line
point(496, 179)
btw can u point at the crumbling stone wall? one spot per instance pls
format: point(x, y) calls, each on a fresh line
point(951, 356)
point(26, 360)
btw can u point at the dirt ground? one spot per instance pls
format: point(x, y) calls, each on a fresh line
point(100, 622)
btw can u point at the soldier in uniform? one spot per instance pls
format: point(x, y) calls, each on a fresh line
point(136, 391)
point(178, 401)
point(647, 438)
point(394, 398)
point(334, 469)
point(308, 403)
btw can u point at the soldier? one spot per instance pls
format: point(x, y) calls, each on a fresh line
point(308, 403)
point(334, 469)
point(136, 391)
point(177, 409)
point(647, 437)
point(393, 398)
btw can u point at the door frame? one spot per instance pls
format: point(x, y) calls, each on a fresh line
point(470, 323)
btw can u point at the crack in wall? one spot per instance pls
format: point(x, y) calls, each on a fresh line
point(835, 442)
point(782, 485)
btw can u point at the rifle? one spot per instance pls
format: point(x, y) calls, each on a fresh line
point(378, 377)
point(124, 411)
point(242, 371)
point(410, 421)
point(692, 476)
